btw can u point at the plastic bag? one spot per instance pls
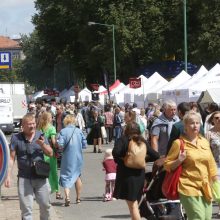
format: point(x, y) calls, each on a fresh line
point(216, 191)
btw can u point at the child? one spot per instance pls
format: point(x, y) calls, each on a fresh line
point(110, 170)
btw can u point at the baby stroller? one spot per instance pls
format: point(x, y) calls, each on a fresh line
point(152, 204)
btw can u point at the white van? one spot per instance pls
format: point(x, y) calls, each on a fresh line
point(6, 113)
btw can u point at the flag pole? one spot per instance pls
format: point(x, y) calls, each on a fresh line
point(142, 81)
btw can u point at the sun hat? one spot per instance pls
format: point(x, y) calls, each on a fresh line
point(108, 154)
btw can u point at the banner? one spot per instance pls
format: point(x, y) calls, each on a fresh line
point(94, 86)
point(134, 83)
point(4, 157)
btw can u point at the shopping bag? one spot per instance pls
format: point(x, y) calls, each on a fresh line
point(216, 191)
point(103, 132)
point(171, 180)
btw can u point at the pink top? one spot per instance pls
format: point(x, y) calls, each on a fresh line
point(109, 118)
point(110, 166)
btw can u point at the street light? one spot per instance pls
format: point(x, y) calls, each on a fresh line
point(113, 41)
point(185, 35)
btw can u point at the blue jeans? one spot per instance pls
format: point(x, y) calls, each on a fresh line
point(118, 132)
point(27, 188)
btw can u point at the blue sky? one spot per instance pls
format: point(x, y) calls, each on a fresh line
point(15, 17)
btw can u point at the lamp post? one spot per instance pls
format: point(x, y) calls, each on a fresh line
point(185, 35)
point(113, 42)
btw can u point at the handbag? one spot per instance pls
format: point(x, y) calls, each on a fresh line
point(103, 132)
point(41, 169)
point(171, 180)
point(58, 151)
point(135, 155)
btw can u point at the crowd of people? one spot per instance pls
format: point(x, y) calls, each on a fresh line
point(71, 126)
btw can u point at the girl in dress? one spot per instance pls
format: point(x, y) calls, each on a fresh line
point(109, 166)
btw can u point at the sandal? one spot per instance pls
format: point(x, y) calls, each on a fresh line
point(67, 202)
point(59, 196)
point(78, 201)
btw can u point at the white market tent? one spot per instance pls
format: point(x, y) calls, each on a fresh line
point(128, 90)
point(179, 80)
point(38, 95)
point(153, 83)
point(209, 80)
point(68, 95)
point(191, 91)
point(153, 94)
point(129, 95)
point(101, 89)
point(126, 94)
point(117, 89)
point(85, 95)
point(200, 73)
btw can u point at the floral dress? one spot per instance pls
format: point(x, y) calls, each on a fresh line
point(214, 140)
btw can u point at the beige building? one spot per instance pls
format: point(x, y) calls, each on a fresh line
point(13, 46)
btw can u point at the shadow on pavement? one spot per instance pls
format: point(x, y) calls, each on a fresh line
point(57, 203)
point(117, 216)
point(9, 198)
point(92, 198)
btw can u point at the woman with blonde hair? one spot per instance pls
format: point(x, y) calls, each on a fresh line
point(72, 140)
point(45, 125)
point(199, 169)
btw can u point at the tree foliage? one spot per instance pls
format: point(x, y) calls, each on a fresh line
point(145, 31)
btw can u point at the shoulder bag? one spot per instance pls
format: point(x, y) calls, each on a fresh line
point(171, 180)
point(59, 151)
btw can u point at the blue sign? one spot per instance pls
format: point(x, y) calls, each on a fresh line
point(4, 157)
point(5, 60)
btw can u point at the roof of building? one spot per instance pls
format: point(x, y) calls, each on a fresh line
point(7, 43)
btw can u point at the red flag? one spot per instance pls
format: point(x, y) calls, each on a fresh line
point(134, 83)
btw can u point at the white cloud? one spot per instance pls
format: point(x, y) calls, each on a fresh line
point(15, 17)
point(15, 3)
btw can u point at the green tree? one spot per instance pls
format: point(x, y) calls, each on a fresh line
point(145, 31)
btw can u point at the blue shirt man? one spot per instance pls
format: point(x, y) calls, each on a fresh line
point(29, 146)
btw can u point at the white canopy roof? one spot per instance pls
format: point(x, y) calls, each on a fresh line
point(194, 79)
point(117, 89)
point(85, 95)
point(38, 94)
point(101, 89)
point(177, 81)
point(209, 80)
point(154, 83)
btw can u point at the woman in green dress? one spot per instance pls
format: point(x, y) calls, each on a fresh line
point(45, 125)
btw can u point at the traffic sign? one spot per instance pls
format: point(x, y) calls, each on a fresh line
point(5, 60)
point(4, 157)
